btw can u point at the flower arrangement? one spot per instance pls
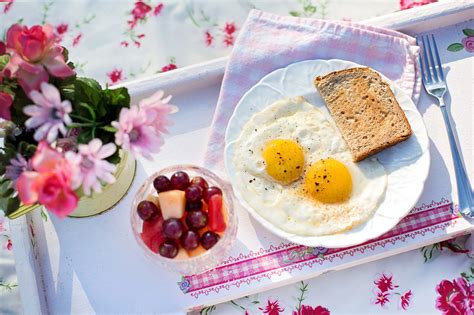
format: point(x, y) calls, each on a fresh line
point(62, 133)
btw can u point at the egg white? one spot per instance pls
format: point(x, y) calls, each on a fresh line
point(284, 205)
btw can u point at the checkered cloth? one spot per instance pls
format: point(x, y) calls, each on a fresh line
point(268, 42)
point(280, 259)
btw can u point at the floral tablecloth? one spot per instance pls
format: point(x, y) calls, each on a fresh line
point(123, 40)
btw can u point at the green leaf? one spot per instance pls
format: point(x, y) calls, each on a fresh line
point(65, 54)
point(87, 91)
point(114, 158)
point(7, 193)
point(4, 59)
point(89, 109)
point(84, 137)
point(4, 188)
point(109, 129)
point(44, 216)
point(294, 13)
point(310, 9)
point(468, 31)
point(12, 205)
point(455, 47)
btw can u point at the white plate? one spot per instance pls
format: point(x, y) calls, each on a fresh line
point(406, 163)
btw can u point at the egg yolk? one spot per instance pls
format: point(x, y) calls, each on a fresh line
point(284, 160)
point(329, 181)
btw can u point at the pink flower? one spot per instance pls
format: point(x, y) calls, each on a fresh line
point(76, 40)
point(49, 115)
point(3, 48)
point(229, 28)
point(136, 134)
point(6, 101)
point(468, 43)
point(50, 182)
point(408, 4)
point(308, 310)
point(115, 76)
point(90, 166)
point(382, 298)
point(169, 67)
point(228, 40)
point(405, 299)
point(34, 54)
point(9, 244)
point(209, 38)
point(139, 12)
point(157, 110)
point(272, 308)
point(62, 28)
point(124, 43)
point(454, 297)
point(158, 9)
point(384, 283)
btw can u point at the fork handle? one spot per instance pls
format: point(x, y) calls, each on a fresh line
point(466, 206)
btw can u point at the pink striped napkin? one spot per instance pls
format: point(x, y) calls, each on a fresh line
point(268, 42)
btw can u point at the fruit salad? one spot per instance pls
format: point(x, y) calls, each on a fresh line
point(183, 216)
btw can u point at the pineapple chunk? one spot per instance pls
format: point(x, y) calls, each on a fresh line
point(172, 204)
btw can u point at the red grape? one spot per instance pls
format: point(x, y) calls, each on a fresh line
point(211, 191)
point(169, 249)
point(162, 183)
point(194, 205)
point(196, 220)
point(201, 182)
point(173, 228)
point(147, 210)
point(193, 193)
point(190, 240)
point(209, 239)
point(180, 180)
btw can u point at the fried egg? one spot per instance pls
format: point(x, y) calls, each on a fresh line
point(294, 169)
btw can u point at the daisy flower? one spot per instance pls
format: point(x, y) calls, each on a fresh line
point(137, 133)
point(157, 110)
point(17, 166)
point(49, 115)
point(91, 168)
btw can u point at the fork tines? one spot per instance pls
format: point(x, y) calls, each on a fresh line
point(432, 71)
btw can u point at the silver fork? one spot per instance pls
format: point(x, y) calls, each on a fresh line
point(435, 85)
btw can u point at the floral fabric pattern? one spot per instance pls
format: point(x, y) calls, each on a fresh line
point(386, 291)
point(140, 38)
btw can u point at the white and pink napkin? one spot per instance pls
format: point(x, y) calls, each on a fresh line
point(268, 42)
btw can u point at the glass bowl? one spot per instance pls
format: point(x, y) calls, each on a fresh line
point(211, 257)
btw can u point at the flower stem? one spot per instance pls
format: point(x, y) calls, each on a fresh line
point(81, 118)
point(303, 288)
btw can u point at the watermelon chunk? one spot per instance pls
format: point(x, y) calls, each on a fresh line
point(216, 217)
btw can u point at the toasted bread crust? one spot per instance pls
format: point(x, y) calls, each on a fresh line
point(364, 109)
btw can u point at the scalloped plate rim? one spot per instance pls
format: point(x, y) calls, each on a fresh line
point(335, 64)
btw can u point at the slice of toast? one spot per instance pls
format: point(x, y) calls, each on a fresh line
point(364, 109)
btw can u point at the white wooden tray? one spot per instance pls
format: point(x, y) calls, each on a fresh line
point(93, 265)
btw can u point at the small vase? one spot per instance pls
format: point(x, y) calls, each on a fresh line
point(96, 204)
